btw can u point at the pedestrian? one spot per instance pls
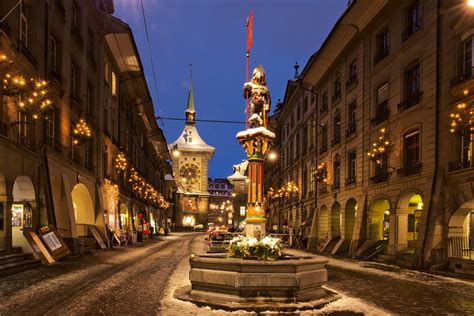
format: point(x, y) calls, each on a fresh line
point(151, 229)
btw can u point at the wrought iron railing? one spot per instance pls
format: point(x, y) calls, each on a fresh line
point(351, 128)
point(381, 55)
point(461, 247)
point(382, 113)
point(350, 180)
point(26, 52)
point(410, 100)
point(351, 82)
point(461, 78)
point(409, 169)
point(380, 177)
point(460, 165)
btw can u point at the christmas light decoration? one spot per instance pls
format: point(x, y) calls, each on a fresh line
point(321, 173)
point(462, 119)
point(35, 101)
point(380, 147)
point(121, 162)
point(82, 132)
point(111, 194)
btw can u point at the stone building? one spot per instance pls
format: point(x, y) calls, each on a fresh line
point(190, 168)
point(364, 132)
point(238, 180)
point(221, 210)
point(48, 175)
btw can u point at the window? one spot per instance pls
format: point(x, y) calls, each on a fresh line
point(24, 23)
point(337, 89)
point(351, 167)
point(413, 19)
point(468, 58)
point(50, 127)
point(53, 54)
point(75, 20)
point(106, 71)
point(114, 84)
point(313, 179)
point(351, 118)
point(337, 128)
point(90, 43)
point(89, 100)
point(382, 45)
point(412, 79)
point(381, 108)
point(74, 81)
point(412, 149)
point(106, 120)
point(324, 103)
point(336, 170)
point(352, 73)
point(324, 139)
point(305, 104)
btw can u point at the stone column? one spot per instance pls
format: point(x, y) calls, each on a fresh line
point(402, 230)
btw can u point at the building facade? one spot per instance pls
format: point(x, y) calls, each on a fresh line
point(364, 132)
point(190, 168)
point(68, 175)
point(221, 210)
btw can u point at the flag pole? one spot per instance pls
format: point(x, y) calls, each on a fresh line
point(247, 62)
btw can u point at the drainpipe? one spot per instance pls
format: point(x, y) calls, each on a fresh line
point(433, 196)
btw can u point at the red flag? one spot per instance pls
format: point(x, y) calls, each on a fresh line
point(249, 31)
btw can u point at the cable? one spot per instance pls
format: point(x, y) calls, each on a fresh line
point(224, 121)
point(151, 56)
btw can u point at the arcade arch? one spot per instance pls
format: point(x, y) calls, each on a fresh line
point(379, 219)
point(336, 219)
point(349, 218)
point(323, 223)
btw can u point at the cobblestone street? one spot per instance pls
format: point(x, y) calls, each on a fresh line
point(142, 279)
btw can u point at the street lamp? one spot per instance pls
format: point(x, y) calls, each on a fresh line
point(470, 3)
point(175, 150)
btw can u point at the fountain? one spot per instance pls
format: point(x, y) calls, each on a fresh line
point(287, 283)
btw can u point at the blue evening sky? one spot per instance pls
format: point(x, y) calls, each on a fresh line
point(211, 35)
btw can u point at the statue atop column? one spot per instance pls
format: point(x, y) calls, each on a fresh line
point(256, 90)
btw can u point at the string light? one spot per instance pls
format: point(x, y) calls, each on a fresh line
point(462, 119)
point(82, 132)
point(379, 148)
point(111, 193)
point(121, 162)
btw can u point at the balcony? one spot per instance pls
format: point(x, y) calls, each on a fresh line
point(379, 177)
point(336, 97)
point(27, 143)
point(323, 190)
point(351, 181)
point(351, 129)
point(336, 186)
point(409, 170)
point(381, 55)
point(410, 100)
point(381, 113)
point(26, 52)
point(4, 128)
point(336, 139)
point(460, 165)
point(410, 31)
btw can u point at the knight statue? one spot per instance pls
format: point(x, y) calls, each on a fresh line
point(256, 90)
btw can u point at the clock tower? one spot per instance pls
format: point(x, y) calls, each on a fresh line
point(190, 169)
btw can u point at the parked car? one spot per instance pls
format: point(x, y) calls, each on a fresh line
point(217, 241)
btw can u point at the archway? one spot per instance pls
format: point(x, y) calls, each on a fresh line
point(323, 223)
point(412, 204)
point(83, 208)
point(379, 219)
point(189, 221)
point(336, 219)
point(24, 201)
point(461, 231)
point(349, 218)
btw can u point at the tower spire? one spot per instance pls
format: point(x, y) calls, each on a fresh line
point(190, 111)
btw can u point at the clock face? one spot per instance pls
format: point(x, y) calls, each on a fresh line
point(189, 175)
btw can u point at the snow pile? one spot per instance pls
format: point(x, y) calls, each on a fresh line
point(253, 131)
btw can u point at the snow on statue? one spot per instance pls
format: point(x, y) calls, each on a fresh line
point(259, 96)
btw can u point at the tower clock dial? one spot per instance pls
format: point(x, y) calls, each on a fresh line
point(189, 175)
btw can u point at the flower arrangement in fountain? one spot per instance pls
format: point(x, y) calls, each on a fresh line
point(262, 249)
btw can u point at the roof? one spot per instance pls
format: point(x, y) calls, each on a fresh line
point(190, 140)
point(190, 104)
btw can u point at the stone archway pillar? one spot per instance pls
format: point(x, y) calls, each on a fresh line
point(401, 230)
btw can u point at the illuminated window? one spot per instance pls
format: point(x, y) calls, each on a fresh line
point(114, 84)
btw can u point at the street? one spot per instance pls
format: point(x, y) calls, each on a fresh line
point(141, 280)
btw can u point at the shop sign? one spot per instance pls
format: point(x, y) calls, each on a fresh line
point(53, 241)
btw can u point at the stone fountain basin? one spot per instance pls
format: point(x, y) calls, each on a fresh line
point(242, 283)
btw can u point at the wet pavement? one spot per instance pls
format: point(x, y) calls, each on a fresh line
point(124, 280)
point(141, 280)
